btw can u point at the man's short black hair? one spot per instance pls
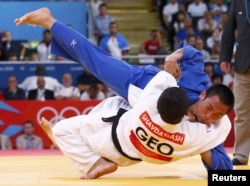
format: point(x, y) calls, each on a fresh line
point(28, 122)
point(112, 23)
point(217, 76)
point(46, 31)
point(40, 71)
point(103, 4)
point(172, 105)
point(225, 94)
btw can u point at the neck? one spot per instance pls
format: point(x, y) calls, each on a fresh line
point(12, 89)
point(191, 112)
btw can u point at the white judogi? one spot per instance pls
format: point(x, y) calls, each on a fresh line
point(67, 91)
point(141, 132)
point(30, 83)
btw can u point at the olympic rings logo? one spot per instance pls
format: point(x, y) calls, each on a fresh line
point(60, 115)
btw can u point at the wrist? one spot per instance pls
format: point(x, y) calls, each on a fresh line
point(171, 59)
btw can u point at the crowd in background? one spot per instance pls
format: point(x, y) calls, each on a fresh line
point(198, 22)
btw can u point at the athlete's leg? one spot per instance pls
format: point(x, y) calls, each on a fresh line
point(41, 17)
point(47, 128)
point(115, 73)
point(100, 168)
point(68, 43)
point(74, 146)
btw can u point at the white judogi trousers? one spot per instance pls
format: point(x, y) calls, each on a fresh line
point(77, 136)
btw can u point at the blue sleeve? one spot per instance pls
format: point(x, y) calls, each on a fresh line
point(220, 159)
point(193, 78)
point(103, 43)
point(123, 44)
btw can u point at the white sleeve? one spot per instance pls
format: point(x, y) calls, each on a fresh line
point(28, 83)
point(52, 83)
point(215, 134)
point(76, 92)
point(57, 91)
point(133, 93)
point(84, 96)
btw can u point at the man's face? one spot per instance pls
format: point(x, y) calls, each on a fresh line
point(153, 36)
point(28, 129)
point(47, 37)
point(103, 10)
point(93, 93)
point(199, 44)
point(113, 29)
point(7, 36)
point(40, 82)
point(210, 109)
point(12, 82)
point(67, 80)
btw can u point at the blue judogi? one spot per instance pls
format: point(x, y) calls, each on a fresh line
point(118, 74)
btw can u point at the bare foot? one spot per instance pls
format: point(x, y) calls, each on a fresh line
point(41, 17)
point(46, 126)
point(100, 168)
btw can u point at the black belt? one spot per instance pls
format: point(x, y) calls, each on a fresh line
point(115, 120)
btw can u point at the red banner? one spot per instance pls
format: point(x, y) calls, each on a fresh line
point(13, 114)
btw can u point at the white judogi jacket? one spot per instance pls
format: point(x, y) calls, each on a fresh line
point(143, 134)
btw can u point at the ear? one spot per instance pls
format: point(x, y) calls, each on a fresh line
point(202, 95)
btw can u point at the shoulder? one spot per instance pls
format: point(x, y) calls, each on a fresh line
point(148, 42)
point(105, 39)
point(119, 35)
point(6, 89)
point(20, 137)
point(226, 122)
point(110, 17)
point(20, 89)
point(37, 137)
point(4, 137)
point(32, 91)
point(50, 91)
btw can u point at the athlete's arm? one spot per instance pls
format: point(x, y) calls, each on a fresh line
point(216, 159)
point(172, 63)
point(206, 158)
